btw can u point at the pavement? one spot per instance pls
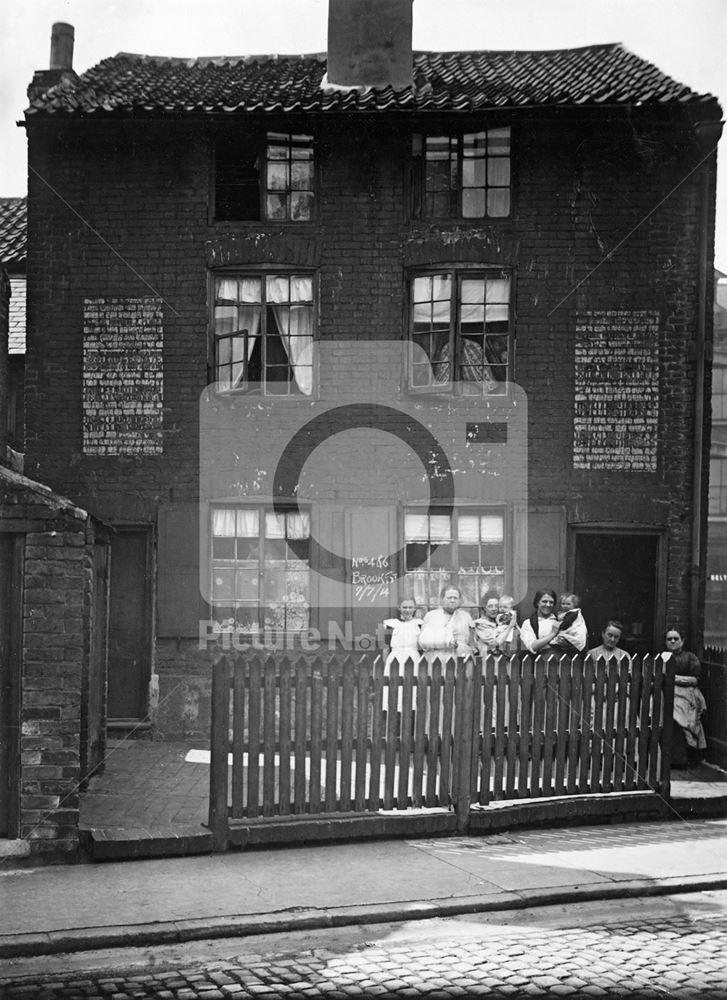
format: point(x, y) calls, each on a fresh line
point(151, 789)
point(237, 894)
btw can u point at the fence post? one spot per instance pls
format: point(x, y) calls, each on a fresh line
point(219, 749)
point(668, 726)
point(463, 737)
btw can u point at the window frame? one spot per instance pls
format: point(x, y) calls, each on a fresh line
point(260, 141)
point(479, 510)
point(457, 273)
point(259, 608)
point(418, 175)
point(261, 272)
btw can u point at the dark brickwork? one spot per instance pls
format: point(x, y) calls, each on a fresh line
point(606, 219)
point(56, 556)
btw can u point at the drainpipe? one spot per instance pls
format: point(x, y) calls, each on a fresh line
point(709, 131)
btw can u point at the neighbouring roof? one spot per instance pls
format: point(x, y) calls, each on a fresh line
point(446, 81)
point(13, 231)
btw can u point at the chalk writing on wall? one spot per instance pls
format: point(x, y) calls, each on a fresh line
point(616, 416)
point(122, 376)
point(371, 578)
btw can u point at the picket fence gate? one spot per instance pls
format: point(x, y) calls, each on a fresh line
point(307, 748)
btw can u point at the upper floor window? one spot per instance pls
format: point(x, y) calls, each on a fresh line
point(460, 320)
point(272, 179)
point(462, 176)
point(263, 333)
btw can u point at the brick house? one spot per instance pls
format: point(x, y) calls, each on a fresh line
point(13, 226)
point(524, 237)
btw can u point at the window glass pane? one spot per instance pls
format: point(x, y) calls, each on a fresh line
point(301, 205)
point(440, 527)
point(301, 288)
point(277, 288)
point(276, 205)
point(440, 556)
point(474, 173)
point(225, 290)
point(246, 581)
point(498, 202)
point(416, 527)
point(301, 175)
point(491, 528)
point(275, 525)
point(225, 319)
point(223, 523)
point(498, 290)
point(277, 176)
point(468, 529)
point(417, 554)
point(223, 585)
point(223, 548)
point(472, 290)
point(247, 524)
point(498, 141)
point(473, 203)
point(250, 289)
point(298, 525)
point(498, 172)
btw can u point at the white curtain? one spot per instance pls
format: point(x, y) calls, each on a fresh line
point(291, 299)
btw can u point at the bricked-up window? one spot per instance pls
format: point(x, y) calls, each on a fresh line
point(270, 178)
point(462, 176)
point(257, 580)
point(460, 325)
point(466, 548)
point(263, 331)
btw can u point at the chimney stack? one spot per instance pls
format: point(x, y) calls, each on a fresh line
point(61, 46)
point(61, 61)
point(369, 43)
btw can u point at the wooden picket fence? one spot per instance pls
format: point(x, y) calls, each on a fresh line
point(344, 736)
point(714, 686)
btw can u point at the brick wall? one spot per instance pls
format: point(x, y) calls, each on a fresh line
point(606, 220)
point(56, 612)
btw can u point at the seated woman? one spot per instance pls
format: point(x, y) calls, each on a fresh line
point(688, 740)
point(538, 631)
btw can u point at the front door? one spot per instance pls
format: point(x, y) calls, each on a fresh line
point(616, 577)
point(129, 655)
point(11, 557)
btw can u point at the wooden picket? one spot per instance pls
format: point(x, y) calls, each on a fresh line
point(347, 735)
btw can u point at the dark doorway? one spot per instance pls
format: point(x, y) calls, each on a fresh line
point(129, 660)
point(616, 577)
point(11, 560)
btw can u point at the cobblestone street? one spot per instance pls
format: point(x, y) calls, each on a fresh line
point(681, 954)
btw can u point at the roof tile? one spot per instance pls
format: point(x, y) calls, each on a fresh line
point(13, 229)
point(458, 81)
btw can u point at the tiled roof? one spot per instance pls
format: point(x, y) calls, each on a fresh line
point(448, 81)
point(13, 230)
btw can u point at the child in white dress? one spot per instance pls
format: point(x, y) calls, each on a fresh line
point(404, 642)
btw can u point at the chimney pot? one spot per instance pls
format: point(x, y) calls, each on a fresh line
point(61, 46)
point(370, 43)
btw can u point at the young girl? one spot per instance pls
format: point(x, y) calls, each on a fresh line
point(404, 635)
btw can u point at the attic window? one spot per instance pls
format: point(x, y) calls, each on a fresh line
point(264, 179)
point(462, 176)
